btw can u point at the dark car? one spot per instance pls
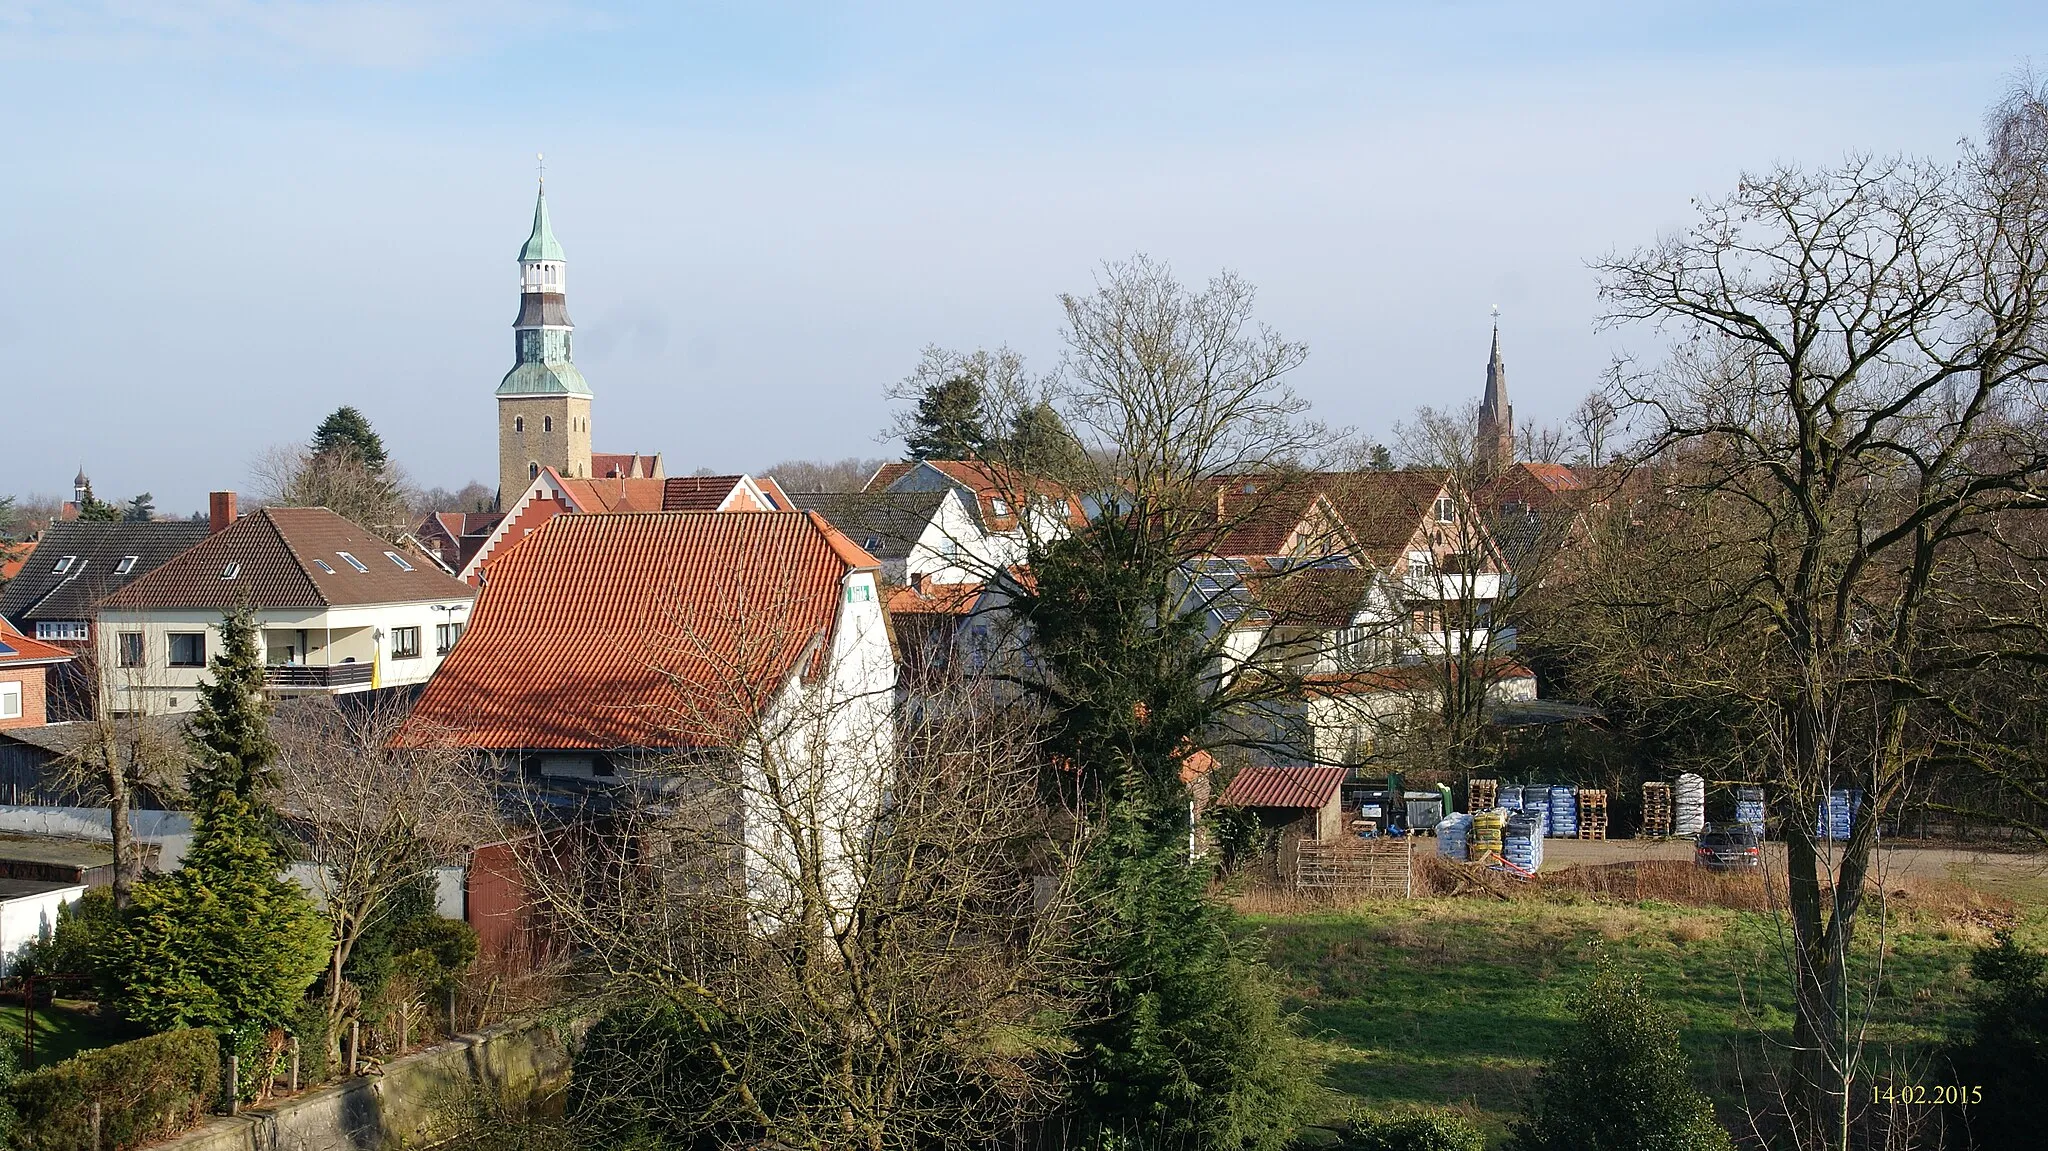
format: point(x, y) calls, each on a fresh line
point(1736, 848)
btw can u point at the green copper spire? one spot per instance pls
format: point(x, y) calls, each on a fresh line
point(541, 244)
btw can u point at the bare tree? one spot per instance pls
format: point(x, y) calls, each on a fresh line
point(372, 816)
point(1851, 398)
point(121, 756)
point(293, 475)
point(847, 475)
point(851, 939)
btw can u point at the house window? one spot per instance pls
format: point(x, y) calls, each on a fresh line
point(1446, 510)
point(188, 649)
point(405, 643)
point(1418, 567)
point(518, 423)
point(445, 635)
point(231, 571)
point(130, 654)
point(352, 561)
point(63, 630)
point(533, 471)
point(63, 565)
point(394, 557)
point(999, 507)
point(126, 565)
point(860, 593)
point(10, 699)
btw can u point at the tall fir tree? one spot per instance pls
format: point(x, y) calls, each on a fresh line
point(224, 941)
point(230, 733)
point(948, 424)
point(347, 428)
point(141, 509)
point(94, 510)
point(1040, 442)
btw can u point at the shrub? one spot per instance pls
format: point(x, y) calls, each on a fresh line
point(1619, 1082)
point(1410, 1130)
point(309, 1025)
point(79, 936)
point(147, 1089)
point(2006, 1050)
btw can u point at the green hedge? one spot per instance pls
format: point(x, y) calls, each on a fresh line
point(147, 1089)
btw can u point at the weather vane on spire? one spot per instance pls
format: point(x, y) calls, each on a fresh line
point(540, 158)
point(1496, 315)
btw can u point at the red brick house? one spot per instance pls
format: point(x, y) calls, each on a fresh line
point(24, 694)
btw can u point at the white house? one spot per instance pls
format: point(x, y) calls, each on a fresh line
point(339, 610)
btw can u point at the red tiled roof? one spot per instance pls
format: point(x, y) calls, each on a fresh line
point(698, 493)
point(626, 464)
point(1384, 510)
point(1293, 787)
point(614, 494)
point(277, 556)
point(1262, 519)
point(990, 483)
point(888, 474)
point(620, 630)
point(1556, 477)
point(934, 599)
point(18, 649)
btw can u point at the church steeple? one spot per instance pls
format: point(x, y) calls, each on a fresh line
point(1494, 447)
point(543, 402)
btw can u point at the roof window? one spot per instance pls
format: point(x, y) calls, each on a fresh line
point(231, 571)
point(352, 561)
point(872, 543)
point(323, 565)
point(126, 565)
point(394, 557)
point(63, 565)
point(999, 507)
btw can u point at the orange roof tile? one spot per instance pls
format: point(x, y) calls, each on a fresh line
point(18, 649)
point(1291, 787)
point(648, 630)
point(934, 599)
point(615, 494)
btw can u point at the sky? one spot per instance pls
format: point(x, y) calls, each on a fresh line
point(221, 219)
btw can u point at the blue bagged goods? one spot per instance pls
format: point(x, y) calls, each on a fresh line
point(1511, 798)
point(1536, 804)
point(1564, 812)
point(1838, 818)
point(1453, 834)
point(1522, 844)
point(1749, 808)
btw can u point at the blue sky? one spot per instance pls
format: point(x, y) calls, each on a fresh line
point(223, 218)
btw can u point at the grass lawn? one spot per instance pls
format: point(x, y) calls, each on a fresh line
point(1454, 1001)
point(63, 1029)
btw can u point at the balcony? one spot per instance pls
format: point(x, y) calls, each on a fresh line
point(297, 677)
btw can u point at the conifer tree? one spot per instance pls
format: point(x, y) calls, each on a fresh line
point(348, 429)
point(1040, 443)
point(222, 942)
point(231, 730)
point(141, 509)
point(94, 510)
point(948, 423)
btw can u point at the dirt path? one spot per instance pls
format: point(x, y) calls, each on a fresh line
point(2015, 874)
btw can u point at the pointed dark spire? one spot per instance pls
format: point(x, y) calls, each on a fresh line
point(1494, 446)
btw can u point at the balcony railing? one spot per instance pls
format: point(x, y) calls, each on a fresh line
point(291, 675)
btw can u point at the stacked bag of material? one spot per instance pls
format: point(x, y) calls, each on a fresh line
point(1838, 818)
point(1536, 805)
point(1510, 798)
point(1564, 812)
point(1691, 803)
point(1453, 836)
point(1522, 844)
point(1749, 808)
point(1484, 834)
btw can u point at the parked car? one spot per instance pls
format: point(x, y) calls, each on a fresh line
point(1736, 847)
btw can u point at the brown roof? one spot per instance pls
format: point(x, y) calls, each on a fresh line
point(614, 494)
point(989, 482)
point(610, 631)
point(1263, 518)
point(1384, 510)
point(934, 599)
point(698, 493)
point(287, 558)
point(627, 464)
point(1292, 787)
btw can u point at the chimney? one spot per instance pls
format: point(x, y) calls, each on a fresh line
point(220, 510)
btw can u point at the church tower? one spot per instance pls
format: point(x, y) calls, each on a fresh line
point(1493, 450)
point(543, 403)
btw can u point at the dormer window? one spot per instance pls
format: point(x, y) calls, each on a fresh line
point(126, 565)
point(999, 507)
point(63, 565)
point(352, 561)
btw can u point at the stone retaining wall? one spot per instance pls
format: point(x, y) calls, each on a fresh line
point(413, 1102)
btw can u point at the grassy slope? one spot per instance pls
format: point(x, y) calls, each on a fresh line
point(63, 1029)
point(1455, 1001)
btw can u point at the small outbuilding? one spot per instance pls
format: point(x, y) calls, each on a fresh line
point(1303, 803)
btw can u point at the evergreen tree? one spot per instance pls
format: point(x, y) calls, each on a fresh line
point(948, 424)
point(348, 429)
point(141, 509)
point(1040, 443)
point(231, 729)
point(2005, 1053)
point(222, 942)
point(1619, 1082)
point(93, 510)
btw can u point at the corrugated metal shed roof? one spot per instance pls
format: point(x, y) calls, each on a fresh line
point(1293, 787)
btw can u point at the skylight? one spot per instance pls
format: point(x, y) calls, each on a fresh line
point(231, 571)
point(325, 566)
point(394, 557)
point(63, 565)
point(126, 565)
point(352, 561)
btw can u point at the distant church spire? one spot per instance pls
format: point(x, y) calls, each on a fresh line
point(543, 402)
point(1494, 449)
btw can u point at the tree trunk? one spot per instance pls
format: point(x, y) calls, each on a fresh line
point(117, 824)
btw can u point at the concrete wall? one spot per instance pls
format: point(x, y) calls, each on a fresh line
point(414, 1102)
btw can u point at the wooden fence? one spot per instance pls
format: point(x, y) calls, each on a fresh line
point(1369, 866)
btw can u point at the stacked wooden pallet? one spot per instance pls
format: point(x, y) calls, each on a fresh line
point(1657, 809)
point(1483, 794)
point(1592, 813)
